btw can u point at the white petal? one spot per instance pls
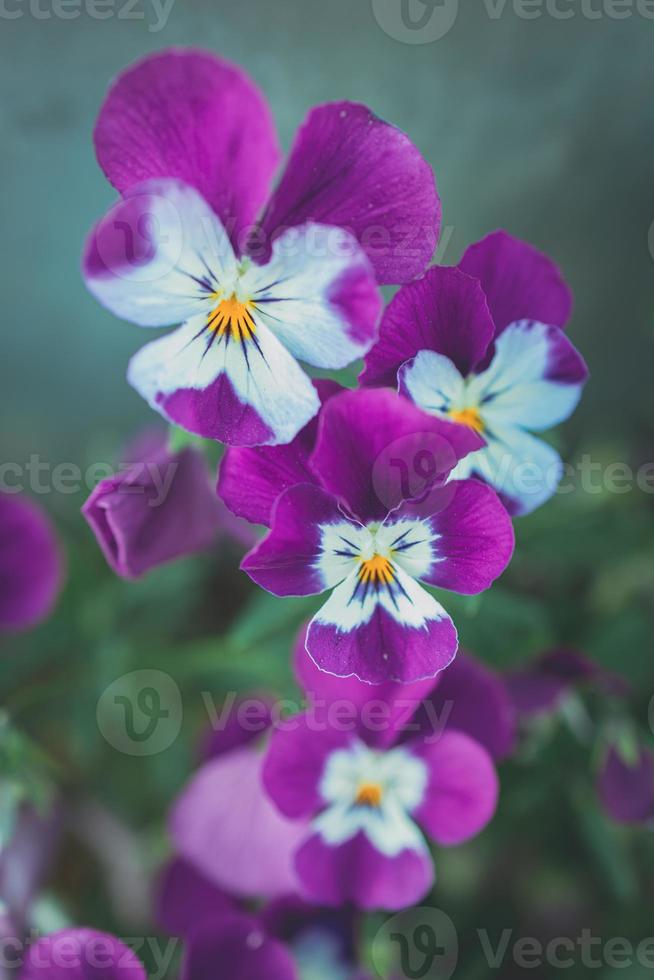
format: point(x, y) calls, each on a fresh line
point(432, 381)
point(157, 256)
point(317, 295)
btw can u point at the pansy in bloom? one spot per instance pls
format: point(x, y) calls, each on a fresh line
point(30, 564)
point(369, 803)
point(353, 531)
point(188, 141)
point(483, 345)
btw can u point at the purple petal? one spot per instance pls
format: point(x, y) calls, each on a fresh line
point(351, 169)
point(251, 479)
point(380, 711)
point(81, 954)
point(383, 650)
point(191, 115)
point(30, 564)
point(224, 824)
point(627, 791)
point(295, 762)
point(184, 896)
point(284, 563)
point(474, 538)
point(158, 509)
point(375, 449)
point(241, 722)
point(444, 311)
point(463, 787)
point(235, 946)
point(520, 282)
point(357, 873)
point(472, 699)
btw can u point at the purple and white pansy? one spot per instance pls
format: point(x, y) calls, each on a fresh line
point(353, 531)
point(483, 345)
point(188, 141)
point(367, 804)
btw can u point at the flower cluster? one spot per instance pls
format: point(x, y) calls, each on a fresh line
point(377, 497)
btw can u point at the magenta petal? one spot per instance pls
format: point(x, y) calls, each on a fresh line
point(471, 698)
point(627, 791)
point(184, 897)
point(159, 508)
point(81, 954)
point(225, 825)
point(444, 311)
point(463, 787)
point(375, 449)
point(351, 169)
point(30, 563)
point(251, 479)
point(191, 115)
point(541, 685)
point(380, 711)
point(357, 873)
point(383, 650)
point(475, 538)
point(284, 563)
point(520, 282)
point(295, 762)
point(237, 948)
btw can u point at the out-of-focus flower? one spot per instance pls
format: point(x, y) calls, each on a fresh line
point(189, 142)
point(625, 785)
point(360, 532)
point(24, 861)
point(161, 506)
point(482, 345)
point(81, 954)
point(366, 802)
point(541, 686)
point(224, 826)
point(30, 564)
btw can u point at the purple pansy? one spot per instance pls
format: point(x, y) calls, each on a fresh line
point(188, 141)
point(160, 506)
point(30, 564)
point(353, 531)
point(483, 345)
point(368, 805)
point(81, 954)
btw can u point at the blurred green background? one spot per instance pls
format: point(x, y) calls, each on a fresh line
point(542, 126)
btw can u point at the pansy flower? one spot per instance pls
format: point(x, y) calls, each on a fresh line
point(188, 141)
point(30, 564)
point(483, 345)
point(369, 533)
point(370, 804)
point(81, 954)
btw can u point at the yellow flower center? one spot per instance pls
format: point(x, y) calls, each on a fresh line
point(369, 794)
point(376, 570)
point(234, 316)
point(469, 417)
